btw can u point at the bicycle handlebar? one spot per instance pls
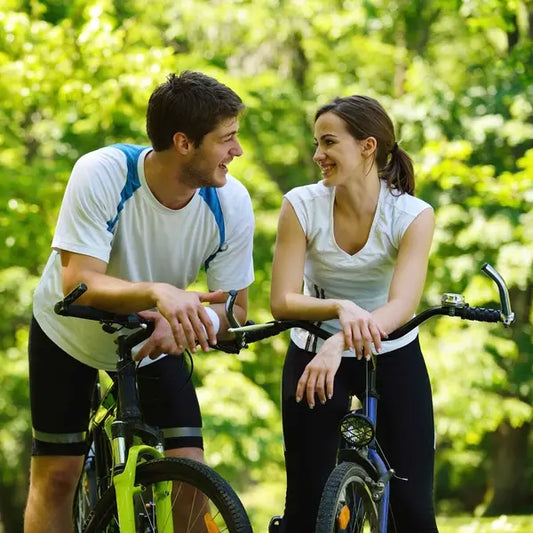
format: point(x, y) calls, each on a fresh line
point(106, 318)
point(451, 305)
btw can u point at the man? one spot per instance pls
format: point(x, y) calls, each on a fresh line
point(136, 225)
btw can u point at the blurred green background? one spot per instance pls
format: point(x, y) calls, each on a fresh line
point(455, 75)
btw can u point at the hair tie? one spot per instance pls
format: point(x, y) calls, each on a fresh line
point(394, 148)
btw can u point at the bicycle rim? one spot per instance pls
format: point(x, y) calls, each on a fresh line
point(201, 501)
point(347, 505)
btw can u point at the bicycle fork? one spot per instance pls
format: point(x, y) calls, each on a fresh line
point(126, 461)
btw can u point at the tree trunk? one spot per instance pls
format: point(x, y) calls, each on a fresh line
point(510, 491)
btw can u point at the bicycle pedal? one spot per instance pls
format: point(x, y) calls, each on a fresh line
point(275, 524)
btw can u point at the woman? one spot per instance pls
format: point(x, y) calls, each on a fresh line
point(358, 243)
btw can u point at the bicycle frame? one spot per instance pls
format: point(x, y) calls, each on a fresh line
point(371, 409)
point(451, 305)
point(369, 453)
point(119, 420)
point(123, 427)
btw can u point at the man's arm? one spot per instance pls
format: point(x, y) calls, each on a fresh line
point(182, 309)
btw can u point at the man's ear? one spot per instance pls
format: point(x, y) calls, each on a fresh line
point(182, 144)
point(369, 146)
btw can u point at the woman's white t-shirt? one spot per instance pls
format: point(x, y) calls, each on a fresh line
point(363, 277)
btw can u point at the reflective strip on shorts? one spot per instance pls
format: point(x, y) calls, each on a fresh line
point(172, 433)
point(59, 438)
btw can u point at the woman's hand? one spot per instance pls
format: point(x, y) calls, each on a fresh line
point(360, 329)
point(318, 376)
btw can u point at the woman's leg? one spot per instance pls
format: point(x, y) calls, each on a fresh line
point(311, 438)
point(406, 433)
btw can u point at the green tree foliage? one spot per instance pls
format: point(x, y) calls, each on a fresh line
point(76, 75)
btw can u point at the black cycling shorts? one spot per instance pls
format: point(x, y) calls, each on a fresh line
point(61, 389)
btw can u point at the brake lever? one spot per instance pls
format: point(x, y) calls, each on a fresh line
point(507, 315)
point(240, 337)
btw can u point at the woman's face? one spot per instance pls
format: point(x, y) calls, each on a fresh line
point(337, 153)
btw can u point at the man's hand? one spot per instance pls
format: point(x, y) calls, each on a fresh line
point(160, 341)
point(318, 376)
point(188, 320)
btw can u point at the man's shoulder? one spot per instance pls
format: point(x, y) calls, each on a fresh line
point(111, 154)
point(232, 190)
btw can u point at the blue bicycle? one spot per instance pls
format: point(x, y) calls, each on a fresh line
point(355, 498)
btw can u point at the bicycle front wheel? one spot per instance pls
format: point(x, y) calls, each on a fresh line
point(201, 501)
point(347, 504)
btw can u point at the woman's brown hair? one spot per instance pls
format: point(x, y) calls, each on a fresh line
point(365, 117)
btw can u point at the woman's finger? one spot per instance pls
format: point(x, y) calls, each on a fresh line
point(330, 378)
point(376, 336)
point(320, 387)
point(310, 390)
point(348, 335)
point(302, 382)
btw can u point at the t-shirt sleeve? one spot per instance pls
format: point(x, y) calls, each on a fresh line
point(232, 267)
point(407, 209)
point(298, 203)
point(88, 205)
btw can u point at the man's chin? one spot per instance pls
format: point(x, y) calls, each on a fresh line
point(220, 178)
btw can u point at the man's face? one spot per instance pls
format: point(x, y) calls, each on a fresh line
point(208, 164)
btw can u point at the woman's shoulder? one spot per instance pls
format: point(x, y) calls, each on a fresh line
point(306, 193)
point(404, 203)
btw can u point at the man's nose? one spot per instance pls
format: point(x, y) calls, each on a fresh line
point(236, 151)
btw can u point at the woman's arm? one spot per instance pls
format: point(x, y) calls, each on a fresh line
point(286, 298)
point(409, 273)
point(360, 328)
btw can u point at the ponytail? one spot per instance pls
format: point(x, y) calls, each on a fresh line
point(398, 171)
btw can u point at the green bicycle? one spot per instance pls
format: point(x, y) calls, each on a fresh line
point(127, 484)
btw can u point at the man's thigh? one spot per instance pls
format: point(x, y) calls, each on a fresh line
point(60, 397)
point(168, 400)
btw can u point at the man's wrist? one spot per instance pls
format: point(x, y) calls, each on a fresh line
point(214, 318)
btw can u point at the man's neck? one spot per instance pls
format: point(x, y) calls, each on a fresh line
point(162, 177)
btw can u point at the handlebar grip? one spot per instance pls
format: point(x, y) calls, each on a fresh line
point(260, 334)
point(90, 313)
point(481, 314)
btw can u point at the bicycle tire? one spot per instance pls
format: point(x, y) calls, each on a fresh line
point(348, 492)
point(230, 511)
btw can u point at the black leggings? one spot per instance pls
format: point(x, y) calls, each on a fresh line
point(405, 432)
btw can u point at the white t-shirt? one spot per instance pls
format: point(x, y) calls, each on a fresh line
point(109, 212)
point(363, 277)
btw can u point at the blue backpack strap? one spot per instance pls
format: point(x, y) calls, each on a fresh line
point(132, 153)
point(209, 194)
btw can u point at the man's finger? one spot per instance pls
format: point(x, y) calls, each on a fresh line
point(207, 323)
point(214, 297)
point(177, 332)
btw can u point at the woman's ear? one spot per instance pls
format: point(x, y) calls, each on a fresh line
point(369, 146)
